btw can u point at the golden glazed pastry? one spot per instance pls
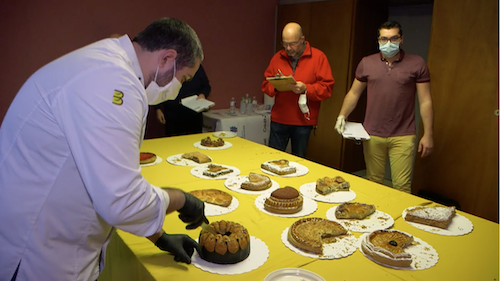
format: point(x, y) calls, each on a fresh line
point(328, 185)
point(286, 200)
point(216, 170)
point(213, 196)
point(257, 182)
point(212, 143)
point(230, 245)
point(197, 157)
point(279, 167)
point(147, 158)
point(387, 246)
point(354, 210)
point(434, 216)
point(311, 233)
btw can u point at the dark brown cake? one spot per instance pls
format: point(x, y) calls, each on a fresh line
point(230, 245)
point(286, 200)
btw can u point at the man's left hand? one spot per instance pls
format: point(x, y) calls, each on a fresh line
point(180, 245)
point(425, 146)
point(298, 88)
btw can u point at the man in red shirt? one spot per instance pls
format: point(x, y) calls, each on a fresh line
point(392, 77)
point(295, 112)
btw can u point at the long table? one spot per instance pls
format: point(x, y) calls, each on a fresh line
point(474, 256)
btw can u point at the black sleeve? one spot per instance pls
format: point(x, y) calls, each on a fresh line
point(205, 84)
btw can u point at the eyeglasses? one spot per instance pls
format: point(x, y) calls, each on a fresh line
point(393, 39)
point(286, 44)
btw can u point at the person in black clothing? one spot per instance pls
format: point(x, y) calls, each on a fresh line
point(178, 119)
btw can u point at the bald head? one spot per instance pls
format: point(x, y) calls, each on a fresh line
point(293, 40)
point(291, 32)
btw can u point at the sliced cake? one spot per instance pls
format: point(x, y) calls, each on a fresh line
point(279, 167)
point(328, 185)
point(438, 216)
point(354, 210)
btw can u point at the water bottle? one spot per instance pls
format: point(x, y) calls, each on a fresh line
point(243, 106)
point(232, 106)
point(249, 106)
point(254, 103)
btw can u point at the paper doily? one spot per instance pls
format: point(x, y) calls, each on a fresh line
point(309, 206)
point(234, 183)
point(156, 162)
point(377, 220)
point(215, 210)
point(259, 253)
point(309, 190)
point(300, 170)
point(459, 225)
point(225, 146)
point(198, 172)
point(224, 134)
point(424, 255)
point(341, 248)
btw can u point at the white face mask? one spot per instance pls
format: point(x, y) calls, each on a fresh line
point(389, 49)
point(157, 94)
point(303, 106)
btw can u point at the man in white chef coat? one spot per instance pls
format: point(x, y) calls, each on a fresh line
point(69, 156)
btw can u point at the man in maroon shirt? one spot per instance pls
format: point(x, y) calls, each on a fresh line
point(392, 77)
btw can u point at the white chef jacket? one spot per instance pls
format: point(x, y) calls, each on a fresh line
point(69, 164)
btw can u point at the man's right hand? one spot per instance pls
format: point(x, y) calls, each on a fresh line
point(340, 125)
point(160, 116)
point(193, 212)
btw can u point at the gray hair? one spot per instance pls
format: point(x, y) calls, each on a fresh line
point(170, 33)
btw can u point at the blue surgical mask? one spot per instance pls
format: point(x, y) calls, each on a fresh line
point(389, 49)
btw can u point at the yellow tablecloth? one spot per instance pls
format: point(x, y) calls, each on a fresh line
point(469, 257)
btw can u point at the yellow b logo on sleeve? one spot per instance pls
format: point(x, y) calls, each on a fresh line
point(118, 97)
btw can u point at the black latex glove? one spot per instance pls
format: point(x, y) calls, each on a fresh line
point(180, 245)
point(193, 212)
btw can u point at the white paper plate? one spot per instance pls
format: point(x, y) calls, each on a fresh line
point(300, 170)
point(225, 146)
point(224, 134)
point(179, 161)
point(424, 255)
point(198, 172)
point(309, 190)
point(309, 206)
point(343, 247)
point(259, 253)
point(377, 220)
point(215, 210)
point(293, 274)
point(459, 225)
point(234, 183)
point(156, 162)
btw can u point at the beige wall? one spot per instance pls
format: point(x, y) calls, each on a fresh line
point(237, 36)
